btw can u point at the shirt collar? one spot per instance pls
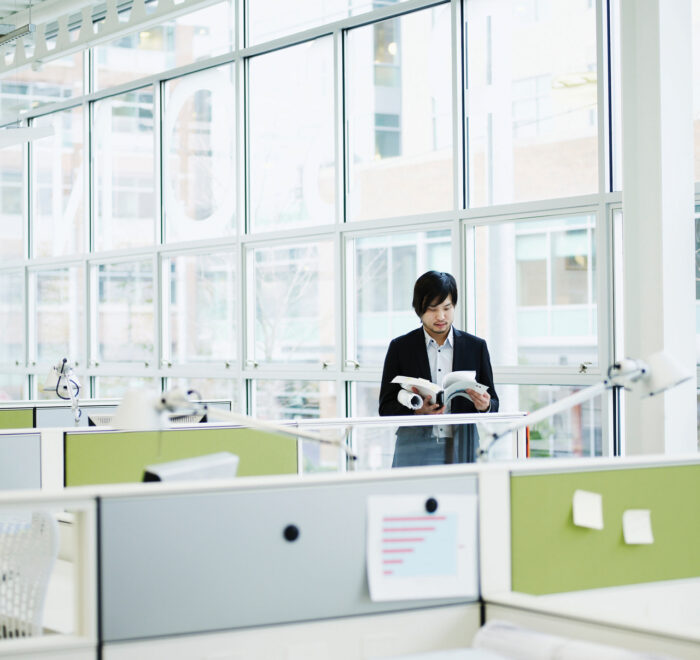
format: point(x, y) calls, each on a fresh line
point(448, 342)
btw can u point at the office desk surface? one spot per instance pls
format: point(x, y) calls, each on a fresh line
point(668, 608)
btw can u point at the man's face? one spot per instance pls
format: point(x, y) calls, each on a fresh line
point(437, 319)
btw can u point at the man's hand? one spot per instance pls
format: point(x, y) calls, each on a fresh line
point(428, 408)
point(482, 402)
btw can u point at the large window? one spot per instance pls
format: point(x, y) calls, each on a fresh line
point(399, 116)
point(201, 302)
point(59, 321)
point(199, 34)
point(294, 304)
point(41, 84)
point(125, 181)
point(536, 291)
point(531, 119)
point(270, 19)
point(292, 152)
point(59, 226)
point(238, 200)
point(384, 268)
point(124, 312)
point(12, 300)
point(199, 137)
point(12, 203)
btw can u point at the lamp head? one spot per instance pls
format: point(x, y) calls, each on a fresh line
point(60, 379)
point(663, 373)
point(139, 411)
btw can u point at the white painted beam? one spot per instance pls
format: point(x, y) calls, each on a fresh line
point(658, 200)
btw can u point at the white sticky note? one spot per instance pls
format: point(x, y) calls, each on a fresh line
point(636, 527)
point(412, 553)
point(588, 509)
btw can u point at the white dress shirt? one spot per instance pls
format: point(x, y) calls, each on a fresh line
point(440, 361)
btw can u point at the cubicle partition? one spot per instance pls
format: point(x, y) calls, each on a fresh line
point(48, 552)
point(17, 418)
point(605, 549)
point(281, 566)
point(107, 457)
point(20, 460)
point(55, 413)
point(259, 554)
point(583, 558)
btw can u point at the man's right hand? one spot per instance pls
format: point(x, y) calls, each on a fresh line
point(428, 407)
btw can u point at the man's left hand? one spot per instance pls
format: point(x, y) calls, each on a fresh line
point(482, 402)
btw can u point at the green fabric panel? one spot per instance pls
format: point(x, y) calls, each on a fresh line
point(17, 418)
point(120, 457)
point(550, 555)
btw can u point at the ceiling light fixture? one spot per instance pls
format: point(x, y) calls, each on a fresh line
point(20, 32)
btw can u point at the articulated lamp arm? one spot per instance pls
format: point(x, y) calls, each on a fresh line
point(658, 374)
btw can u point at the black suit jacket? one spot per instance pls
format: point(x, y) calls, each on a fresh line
point(408, 356)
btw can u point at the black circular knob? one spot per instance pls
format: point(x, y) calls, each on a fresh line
point(431, 505)
point(291, 533)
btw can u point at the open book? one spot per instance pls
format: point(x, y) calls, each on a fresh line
point(454, 384)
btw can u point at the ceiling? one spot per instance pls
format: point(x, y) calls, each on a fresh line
point(10, 7)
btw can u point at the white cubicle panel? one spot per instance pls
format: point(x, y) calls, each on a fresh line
point(62, 415)
point(350, 638)
point(56, 582)
point(20, 460)
point(192, 563)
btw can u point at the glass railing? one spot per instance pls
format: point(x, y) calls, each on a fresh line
point(379, 443)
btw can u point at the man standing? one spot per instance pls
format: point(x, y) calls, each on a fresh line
point(431, 352)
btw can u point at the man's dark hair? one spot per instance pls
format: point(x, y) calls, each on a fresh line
point(432, 288)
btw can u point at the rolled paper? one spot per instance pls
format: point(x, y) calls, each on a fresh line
point(410, 400)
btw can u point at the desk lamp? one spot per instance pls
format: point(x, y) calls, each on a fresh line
point(141, 410)
point(659, 373)
point(65, 384)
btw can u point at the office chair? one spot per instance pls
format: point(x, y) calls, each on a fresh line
point(28, 550)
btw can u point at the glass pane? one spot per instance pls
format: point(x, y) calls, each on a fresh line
point(199, 146)
point(399, 116)
point(59, 315)
point(292, 166)
point(12, 338)
point(574, 432)
point(12, 202)
point(374, 446)
point(294, 303)
point(34, 86)
point(113, 387)
point(202, 302)
point(696, 84)
point(124, 171)
point(539, 278)
point(268, 19)
point(532, 124)
point(183, 40)
point(697, 282)
point(125, 312)
point(58, 175)
point(210, 388)
point(12, 387)
point(364, 399)
point(381, 291)
point(293, 399)
point(299, 399)
point(616, 93)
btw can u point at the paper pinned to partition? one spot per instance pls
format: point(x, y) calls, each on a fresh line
point(413, 552)
point(636, 527)
point(588, 509)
